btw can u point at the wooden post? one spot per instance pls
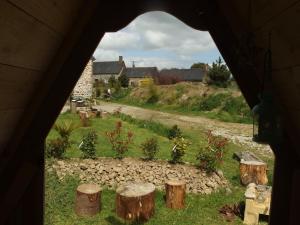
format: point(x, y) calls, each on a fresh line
point(175, 194)
point(73, 107)
point(253, 172)
point(135, 201)
point(88, 200)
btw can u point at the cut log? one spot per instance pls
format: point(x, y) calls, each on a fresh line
point(253, 172)
point(135, 201)
point(175, 194)
point(88, 200)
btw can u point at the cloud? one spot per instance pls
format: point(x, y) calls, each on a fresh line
point(157, 32)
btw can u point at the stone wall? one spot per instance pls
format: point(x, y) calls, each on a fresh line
point(84, 86)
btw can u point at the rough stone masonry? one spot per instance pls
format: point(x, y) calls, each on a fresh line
point(111, 173)
point(84, 86)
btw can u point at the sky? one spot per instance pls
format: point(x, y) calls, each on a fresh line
point(158, 39)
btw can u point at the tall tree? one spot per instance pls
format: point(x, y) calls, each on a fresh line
point(219, 73)
point(124, 80)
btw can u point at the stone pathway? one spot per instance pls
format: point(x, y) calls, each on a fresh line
point(112, 173)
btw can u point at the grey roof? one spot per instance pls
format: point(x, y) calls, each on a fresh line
point(112, 67)
point(194, 74)
point(139, 72)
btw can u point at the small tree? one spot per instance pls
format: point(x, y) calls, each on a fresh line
point(124, 80)
point(211, 155)
point(64, 129)
point(174, 132)
point(87, 146)
point(150, 148)
point(119, 141)
point(218, 74)
point(56, 148)
point(179, 149)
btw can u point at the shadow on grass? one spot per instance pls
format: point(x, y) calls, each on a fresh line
point(115, 221)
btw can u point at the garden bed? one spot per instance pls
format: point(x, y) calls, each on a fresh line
point(111, 173)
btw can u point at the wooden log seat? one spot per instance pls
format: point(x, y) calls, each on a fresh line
point(88, 200)
point(135, 201)
point(175, 194)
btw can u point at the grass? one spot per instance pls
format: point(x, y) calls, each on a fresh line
point(200, 209)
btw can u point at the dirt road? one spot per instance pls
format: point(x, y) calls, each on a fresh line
point(237, 133)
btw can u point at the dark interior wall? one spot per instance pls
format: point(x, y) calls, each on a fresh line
point(58, 38)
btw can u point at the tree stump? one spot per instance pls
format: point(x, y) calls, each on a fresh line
point(88, 200)
point(135, 201)
point(253, 172)
point(175, 194)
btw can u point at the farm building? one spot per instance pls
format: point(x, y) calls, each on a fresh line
point(46, 44)
point(192, 75)
point(136, 74)
point(104, 70)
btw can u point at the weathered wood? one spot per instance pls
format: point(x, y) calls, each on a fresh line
point(246, 156)
point(43, 10)
point(24, 41)
point(135, 201)
point(253, 172)
point(175, 194)
point(88, 200)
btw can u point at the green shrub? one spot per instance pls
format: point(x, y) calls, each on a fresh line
point(56, 148)
point(150, 148)
point(179, 149)
point(64, 129)
point(124, 80)
point(237, 106)
point(211, 102)
point(119, 141)
point(87, 146)
point(153, 94)
point(174, 132)
point(211, 155)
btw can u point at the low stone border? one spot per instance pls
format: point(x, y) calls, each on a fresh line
point(112, 172)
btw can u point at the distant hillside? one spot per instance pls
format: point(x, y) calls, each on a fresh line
point(226, 104)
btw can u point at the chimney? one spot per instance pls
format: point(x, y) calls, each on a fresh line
point(120, 59)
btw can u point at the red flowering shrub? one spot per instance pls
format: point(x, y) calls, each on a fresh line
point(211, 155)
point(118, 140)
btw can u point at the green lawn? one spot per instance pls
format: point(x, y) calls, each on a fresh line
point(200, 209)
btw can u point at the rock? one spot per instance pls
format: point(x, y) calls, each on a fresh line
point(83, 167)
point(111, 173)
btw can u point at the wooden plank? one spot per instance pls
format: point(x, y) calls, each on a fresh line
point(285, 38)
point(56, 14)
point(287, 85)
point(246, 156)
point(8, 121)
point(265, 10)
point(24, 41)
point(16, 86)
